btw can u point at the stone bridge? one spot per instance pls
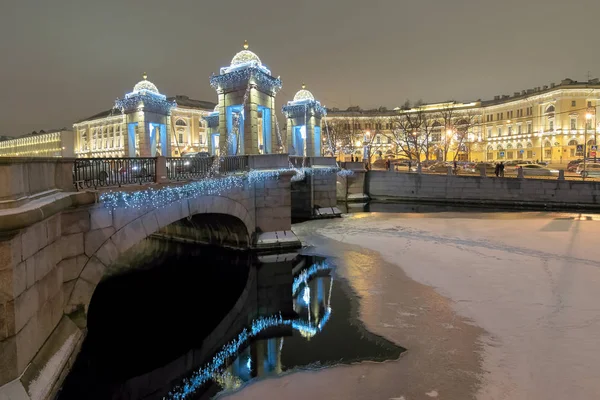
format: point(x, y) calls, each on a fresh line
point(57, 243)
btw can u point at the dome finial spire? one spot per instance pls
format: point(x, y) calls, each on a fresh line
point(245, 45)
point(145, 76)
point(303, 85)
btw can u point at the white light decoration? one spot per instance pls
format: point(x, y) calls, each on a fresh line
point(208, 186)
point(244, 57)
point(304, 94)
point(306, 295)
point(145, 85)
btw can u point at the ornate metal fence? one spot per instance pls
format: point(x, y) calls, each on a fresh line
point(183, 168)
point(101, 172)
point(233, 164)
point(104, 172)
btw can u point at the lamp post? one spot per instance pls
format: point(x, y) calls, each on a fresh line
point(367, 147)
point(417, 155)
point(447, 145)
point(588, 117)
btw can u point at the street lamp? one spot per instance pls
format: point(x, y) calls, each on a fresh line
point(588, 117)
point(447, 146)
point(367, 147)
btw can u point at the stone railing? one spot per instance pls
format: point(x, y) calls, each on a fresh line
point(25, 179)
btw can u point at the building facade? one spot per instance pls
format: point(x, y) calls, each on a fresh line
point(144, 123)
point(54, 143)
point(555, 123)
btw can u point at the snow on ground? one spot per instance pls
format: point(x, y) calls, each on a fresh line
point(531, 280)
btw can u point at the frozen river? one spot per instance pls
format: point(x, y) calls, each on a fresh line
point(489, 306)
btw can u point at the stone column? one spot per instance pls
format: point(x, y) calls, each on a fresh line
point(310, 137)
point(223, 101)
point(251, 122)
point(288, 135)
point(274, 137)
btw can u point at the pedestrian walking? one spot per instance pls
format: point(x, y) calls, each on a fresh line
point(497, 170)
point(502, 169)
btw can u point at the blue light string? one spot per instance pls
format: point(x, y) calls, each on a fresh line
point(159, 198)
point(231, 349)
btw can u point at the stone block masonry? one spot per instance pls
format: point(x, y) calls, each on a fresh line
point(50, 268)
point(386, 185)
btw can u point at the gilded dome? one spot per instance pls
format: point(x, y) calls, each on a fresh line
point(145, 85)
point(303, 94)
point(245, 56)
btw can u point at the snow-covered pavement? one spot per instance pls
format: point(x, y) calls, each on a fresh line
point(531, 280)
point(489, 306)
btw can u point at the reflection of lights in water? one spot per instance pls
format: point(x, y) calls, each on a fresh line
point(203, 375)
point(228, 380)
point(306, 295)
point(307, 274)
point(219, 361)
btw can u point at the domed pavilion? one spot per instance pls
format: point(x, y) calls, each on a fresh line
point(304, 115)
point(246, 98)
point(147, 114)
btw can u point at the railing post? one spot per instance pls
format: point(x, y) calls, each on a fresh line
point(482, 171)
point(561, 175)
point(161, 170)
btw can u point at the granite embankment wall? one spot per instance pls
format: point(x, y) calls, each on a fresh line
point(550, 193)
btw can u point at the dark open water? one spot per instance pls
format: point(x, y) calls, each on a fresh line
point(191, 322)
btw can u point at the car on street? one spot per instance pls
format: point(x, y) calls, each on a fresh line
point(589, 169)
point(490, 168)
point(537, 170)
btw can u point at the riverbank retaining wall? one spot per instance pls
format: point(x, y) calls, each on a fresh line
point(389, 185)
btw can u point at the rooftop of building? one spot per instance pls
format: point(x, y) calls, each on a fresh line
point(185, 101)
point(34, 133)
point(566, 83)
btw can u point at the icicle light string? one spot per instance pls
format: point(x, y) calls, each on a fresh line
point(158, 198)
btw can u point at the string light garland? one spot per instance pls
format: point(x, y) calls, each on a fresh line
point(252, 74)
point(159, 198)
point(315, 108)
point(147, 101)
point(214, 369)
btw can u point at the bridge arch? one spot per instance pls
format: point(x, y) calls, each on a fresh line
point(130, 226)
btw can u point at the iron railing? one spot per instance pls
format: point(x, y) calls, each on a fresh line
point(182, 168)
point(230, 164)
point(101, 172)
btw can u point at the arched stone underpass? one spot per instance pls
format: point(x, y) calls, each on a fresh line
point(125, 228)
point(149, 315)
point(215, 229)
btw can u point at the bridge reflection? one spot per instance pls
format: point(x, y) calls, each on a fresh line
point(223, 321)
point(311, 292)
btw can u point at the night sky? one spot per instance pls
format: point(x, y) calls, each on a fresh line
point(65, 60)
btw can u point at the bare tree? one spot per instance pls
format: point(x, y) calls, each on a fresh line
point(463, 135)
point(447, 116)
point(340, 134)
point(412, 132)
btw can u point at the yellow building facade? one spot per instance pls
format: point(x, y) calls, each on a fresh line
point(555, 123)
point(55, 143)
point(174, 127)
